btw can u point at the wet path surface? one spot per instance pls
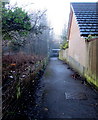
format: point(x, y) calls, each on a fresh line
point(58, 95)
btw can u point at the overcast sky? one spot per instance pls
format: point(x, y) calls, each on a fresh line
point(57, 10)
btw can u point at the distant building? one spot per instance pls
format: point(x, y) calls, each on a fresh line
point(54, 53)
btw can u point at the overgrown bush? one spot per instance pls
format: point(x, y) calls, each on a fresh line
point(16, 25)
point(18, 63)
point(15, 19)
point(90, 37)
point(64, 45)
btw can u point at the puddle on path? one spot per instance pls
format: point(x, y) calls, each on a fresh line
point(79, 96)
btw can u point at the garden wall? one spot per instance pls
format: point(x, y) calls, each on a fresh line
point(63, 55)
point(16, 81)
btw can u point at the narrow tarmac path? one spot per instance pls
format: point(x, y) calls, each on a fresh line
point(61, 96)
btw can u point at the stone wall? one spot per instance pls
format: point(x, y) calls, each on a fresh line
point(63, 55)
point(13, 90)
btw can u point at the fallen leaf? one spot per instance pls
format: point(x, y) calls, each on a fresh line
point(13, 64)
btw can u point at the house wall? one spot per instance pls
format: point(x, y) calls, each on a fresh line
point(77, 47)
point(77, 44)
point(82, 55)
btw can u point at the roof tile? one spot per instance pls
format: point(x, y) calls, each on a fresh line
point(87, 17)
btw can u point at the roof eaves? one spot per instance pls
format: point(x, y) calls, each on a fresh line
point(75, 15)
point(70, 20)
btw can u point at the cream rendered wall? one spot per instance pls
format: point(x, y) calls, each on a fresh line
point(77, 46)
